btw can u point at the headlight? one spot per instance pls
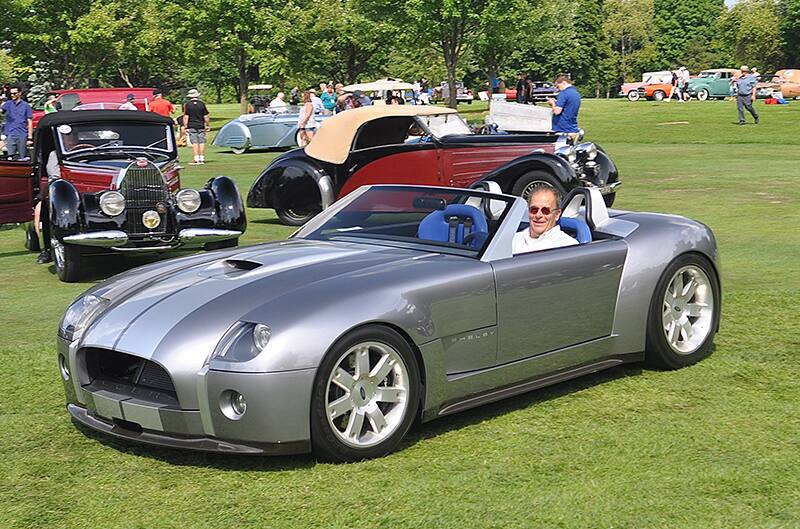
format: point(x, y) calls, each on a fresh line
point(567, 152)
point(112, 203)
point(188, 200)
point(79, 315)
point(587, 150)
point(243, 341)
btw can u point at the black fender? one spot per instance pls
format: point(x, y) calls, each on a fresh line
point(292, 181)
point(65, 208)
point(506, 175)
point(230, 209)
point(606, 171)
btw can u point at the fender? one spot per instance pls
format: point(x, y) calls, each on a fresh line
point(292, 181)
point(234, 135)
point(606, 172)
point(507, 174)
point(229, 203)
point(65, 207)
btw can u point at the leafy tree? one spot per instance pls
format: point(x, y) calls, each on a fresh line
point(8, 67)
point(751, 30)
point(789, 11)
point(628, 26)
point(501, 30)
point(685, 31)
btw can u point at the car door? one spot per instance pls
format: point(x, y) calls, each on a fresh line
point(553, 299)
point(16, 191)
point(464, 162)
point(722, 85)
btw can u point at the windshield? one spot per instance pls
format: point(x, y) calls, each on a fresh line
point(115, 135)
point(442, 125)
point(458, 222)
point(706, 75)
point(39, 104)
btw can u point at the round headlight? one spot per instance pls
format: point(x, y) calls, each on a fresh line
point(151, 219)
point(188, 200)
point(112, 203)
point(589, 150)
point(261, 336)
point(567, 152)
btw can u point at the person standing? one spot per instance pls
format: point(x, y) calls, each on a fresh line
point(746, 94)
point(19, 125)
point(128, 104)
point(195, 119)
point(50, 104)
point(161, 106)
point(328, 100)
point(316, 101)
point(520, 86)
point(278, 104)
point(566, 106)
point(294, 96)
point(306, 122)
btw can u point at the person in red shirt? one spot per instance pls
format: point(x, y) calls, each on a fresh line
point(159, 105)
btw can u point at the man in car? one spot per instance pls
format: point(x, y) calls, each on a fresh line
point(544, 232)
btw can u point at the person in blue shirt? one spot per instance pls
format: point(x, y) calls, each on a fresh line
point(566, 106)
point(746, 94)
point(19, 125)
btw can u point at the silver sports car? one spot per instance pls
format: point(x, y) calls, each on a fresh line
point(397, 302)
point(272, 129)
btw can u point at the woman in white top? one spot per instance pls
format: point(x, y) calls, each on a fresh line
point(306, 123)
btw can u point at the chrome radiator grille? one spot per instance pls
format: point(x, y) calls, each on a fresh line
point(143, 187)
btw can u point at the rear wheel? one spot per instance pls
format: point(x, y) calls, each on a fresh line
point(659, 95)
point(296, 217)
point(702, 94)
point(365, 396)
point(239, 150)
point(68, 260)
point(684, 313)
point(526, 182)
point(633, 95)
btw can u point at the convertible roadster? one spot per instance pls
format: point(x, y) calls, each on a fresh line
point(421, 145)
point(110, 184)
point(271, 129)
point(395, 303)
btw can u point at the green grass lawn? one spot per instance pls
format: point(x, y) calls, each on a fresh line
point(715, 445)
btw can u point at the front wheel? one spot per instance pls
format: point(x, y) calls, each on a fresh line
point(526, 183)
point(633, 95)
point(295, 217)
point(239, 150)
point(702, 95)
point(68, 260)
point(365, 396)
point(684, 313)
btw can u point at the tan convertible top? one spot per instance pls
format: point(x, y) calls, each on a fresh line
point(332, 141)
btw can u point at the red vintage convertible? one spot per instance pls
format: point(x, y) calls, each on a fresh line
point(109, 183)
point(421, 145)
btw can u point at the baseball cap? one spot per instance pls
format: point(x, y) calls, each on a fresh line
point(130, 97)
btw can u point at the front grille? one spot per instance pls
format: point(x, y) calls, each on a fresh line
point(143, 188)
point(129, 375)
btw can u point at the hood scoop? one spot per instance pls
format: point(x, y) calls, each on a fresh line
point(241, 264)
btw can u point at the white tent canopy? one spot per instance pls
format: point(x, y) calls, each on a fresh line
point(259, 87)
point(380, 84)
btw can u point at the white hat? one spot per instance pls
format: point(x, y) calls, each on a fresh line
point(193, 93)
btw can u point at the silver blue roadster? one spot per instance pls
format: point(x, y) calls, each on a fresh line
point(395, 303)
point(271, 129)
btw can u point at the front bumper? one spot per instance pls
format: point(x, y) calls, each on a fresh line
point(276, 420)
point(117, 239)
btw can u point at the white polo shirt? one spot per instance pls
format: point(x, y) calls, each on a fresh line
point(552, 238)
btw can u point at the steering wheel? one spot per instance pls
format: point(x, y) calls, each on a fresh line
point(82, 146)
point(484, 130)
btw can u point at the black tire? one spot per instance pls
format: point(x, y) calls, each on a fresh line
point(659, 353)
point(327, 443)
point(237, 150)
point(68, 261)
point(32, 239)
point(633, 95)
point(659, 95)
point(292, 217)
point(219, 245)
point(702, 94)
point(609, 199)
point(525, 182)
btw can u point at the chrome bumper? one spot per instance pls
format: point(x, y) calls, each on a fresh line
point(187, 238)
point(609, 188)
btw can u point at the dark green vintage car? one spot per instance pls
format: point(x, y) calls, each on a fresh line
point(712, 84)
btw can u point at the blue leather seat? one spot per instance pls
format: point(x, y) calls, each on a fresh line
point(582, 232)
point(453, 224)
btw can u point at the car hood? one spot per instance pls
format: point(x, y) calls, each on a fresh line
point(182, 309)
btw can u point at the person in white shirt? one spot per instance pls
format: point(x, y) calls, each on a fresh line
point(278, 104)
point(128, 104)
point(544, 232)
point(317, 102)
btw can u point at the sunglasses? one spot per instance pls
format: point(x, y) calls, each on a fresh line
point(545, 210)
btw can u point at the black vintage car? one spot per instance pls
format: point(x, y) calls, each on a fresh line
point(110, 183)
point(422, 145)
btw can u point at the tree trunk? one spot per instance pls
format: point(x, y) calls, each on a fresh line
point(450, 62)
point(241, 60)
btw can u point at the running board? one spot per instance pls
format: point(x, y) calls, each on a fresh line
point(530, 385)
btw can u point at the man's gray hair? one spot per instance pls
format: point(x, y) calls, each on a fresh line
point(538, 187)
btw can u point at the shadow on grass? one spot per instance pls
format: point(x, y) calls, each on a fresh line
point(99, 267)
point(418, 432)
point(272, 221)
point(14, 254)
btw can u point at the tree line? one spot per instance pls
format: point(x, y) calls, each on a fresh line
point(223, 45)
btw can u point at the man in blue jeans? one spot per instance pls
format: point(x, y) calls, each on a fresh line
point(19, 125)
point(566, 106)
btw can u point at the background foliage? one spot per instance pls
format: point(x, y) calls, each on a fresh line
point(222, 45)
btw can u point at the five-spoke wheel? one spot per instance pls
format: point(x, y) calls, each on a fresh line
point(365, 397)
